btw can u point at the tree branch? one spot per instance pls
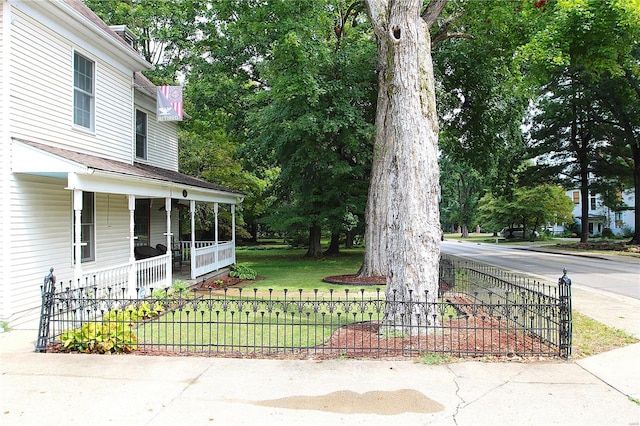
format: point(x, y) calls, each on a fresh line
point(446, 36)
point(433, 10)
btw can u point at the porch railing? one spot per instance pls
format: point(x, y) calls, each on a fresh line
point(207, 256)
point(149, 273)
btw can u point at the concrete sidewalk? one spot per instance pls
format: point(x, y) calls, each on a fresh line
point(65, 389)
point(68, 389)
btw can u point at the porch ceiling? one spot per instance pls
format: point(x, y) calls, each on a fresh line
point(91, 173)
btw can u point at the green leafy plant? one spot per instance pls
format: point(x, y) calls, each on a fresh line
point(243, 272)
point(177, 288)
point(101, 338)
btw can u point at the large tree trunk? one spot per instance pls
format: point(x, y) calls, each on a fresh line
point(635, 149)
point(584, 198)
point(334, 245)
point(315, 248)
point(403, 223)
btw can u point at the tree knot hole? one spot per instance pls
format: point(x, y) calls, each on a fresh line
point(395, 30)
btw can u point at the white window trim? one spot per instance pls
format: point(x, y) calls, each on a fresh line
point(146, 136)
point(93, 95)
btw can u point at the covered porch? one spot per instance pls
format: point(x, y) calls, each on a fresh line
point(115, 209)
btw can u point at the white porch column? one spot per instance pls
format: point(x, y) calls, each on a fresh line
point(167, 206)
point(77, 235)
point(192, 210)
point(233, 230)
point(133, 273)
point(215, 212)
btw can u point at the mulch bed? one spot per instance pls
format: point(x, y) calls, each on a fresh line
point(473, 337)
point(220, 282)
point(354, 279)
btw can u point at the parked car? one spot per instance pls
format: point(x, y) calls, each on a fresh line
point(512, 233)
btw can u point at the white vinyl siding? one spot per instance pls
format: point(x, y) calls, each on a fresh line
point(162, 140)
point(43, 112)
point(112, 230)
point(40, 235)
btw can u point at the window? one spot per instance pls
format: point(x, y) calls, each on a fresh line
point(87, 227)
point(576, 197)
point(141, 135)
point(592, 202)
point(83, 91)
point(142, 218)
point(618, 219)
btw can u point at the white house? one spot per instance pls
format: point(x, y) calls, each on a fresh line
point(89, 177)
point(601, 216)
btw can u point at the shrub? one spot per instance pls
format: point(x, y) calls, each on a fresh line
point(607, 233)
point(101, 338)
point(243, 272)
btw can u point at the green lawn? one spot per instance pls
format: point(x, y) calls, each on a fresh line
point(244, 326)
point(282, 268)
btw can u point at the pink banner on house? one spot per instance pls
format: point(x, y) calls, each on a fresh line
point(169, 103)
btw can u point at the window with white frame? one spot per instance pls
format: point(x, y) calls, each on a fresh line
point(141, 134)
point(83, 91)
point(87, 227)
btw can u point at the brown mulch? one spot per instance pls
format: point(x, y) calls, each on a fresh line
point(472, 337)
point(220, 282)
point(354, 279)
point(603, 246)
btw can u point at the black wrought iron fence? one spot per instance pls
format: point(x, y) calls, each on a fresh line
point(478, 315)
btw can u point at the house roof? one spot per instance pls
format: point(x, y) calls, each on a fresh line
point(90, 15)
point(137, 170)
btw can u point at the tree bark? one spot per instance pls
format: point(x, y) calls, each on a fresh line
point(403, 223)
point(635, 149)
point(334, 245)
point(315, 248)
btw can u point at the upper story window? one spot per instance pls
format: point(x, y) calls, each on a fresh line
point(83, 91)
point(592, 201)
point(576, 197)
point(141, 135)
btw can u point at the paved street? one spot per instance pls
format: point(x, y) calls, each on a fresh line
point(616, 274)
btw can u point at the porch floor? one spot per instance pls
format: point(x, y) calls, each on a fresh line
point(184, 274)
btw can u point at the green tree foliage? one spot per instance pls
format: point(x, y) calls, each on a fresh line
point(315, 118)
point(166, 32)
point(528, 207)
point(584, 59)
point(480, 98)
point(462, 187)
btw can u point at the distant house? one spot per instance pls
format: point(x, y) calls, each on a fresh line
point(89, 177)
point(601, 216)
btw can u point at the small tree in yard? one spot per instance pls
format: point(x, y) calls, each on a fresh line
point(529, 207)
